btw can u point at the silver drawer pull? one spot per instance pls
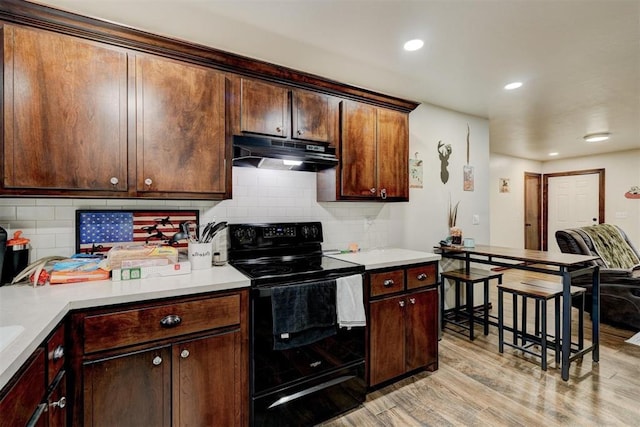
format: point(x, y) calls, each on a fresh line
point(184, 353)
point(387, 283)
point(57, 353)
point(60, 403)
point(170, 321)
point(401, 303)
point(422, 276)
point(156, 361)
point(412, 300)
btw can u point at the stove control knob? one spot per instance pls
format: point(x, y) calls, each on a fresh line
point(310, 232)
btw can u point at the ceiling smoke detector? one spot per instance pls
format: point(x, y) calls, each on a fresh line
point(597, 137)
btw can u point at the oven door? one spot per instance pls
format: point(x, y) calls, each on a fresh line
point(327, 375)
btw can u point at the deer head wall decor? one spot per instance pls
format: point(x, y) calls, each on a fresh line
point(444, 151)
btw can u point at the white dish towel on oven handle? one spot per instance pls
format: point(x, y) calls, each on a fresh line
point(349, 301)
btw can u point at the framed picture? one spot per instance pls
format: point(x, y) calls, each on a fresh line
point(504, 185)
point(97, 231)
point(415, 173)
point(468, 178)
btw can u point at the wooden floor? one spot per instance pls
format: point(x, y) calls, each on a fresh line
point(476, 385)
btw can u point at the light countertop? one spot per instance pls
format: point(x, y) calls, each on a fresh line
point(39, 310)
point(389, 257)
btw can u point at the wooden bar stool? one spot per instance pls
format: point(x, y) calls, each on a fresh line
point(541, 291)
point(466, 312)
point(576, 292)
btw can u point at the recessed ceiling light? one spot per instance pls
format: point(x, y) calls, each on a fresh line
point(597, 137)
point(513, 85)
point(553, 154)
point(414, 44)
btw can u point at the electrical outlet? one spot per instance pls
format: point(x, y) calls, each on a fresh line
point(368, 222)
point(476, 219)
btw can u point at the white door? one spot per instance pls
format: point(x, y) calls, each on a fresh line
point(573, 202)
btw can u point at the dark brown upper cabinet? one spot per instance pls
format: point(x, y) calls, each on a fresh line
point(96, 109)
point(311, 116)
point(374, 156)
point(65, 113)
point(275, 110)
point(180, 131)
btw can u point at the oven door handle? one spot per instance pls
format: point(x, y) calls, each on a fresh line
point(310, 390)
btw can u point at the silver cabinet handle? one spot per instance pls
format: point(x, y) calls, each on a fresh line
point(170, 321)
point(372, 190)
point(157, 360)
point(58, 353)
point(300, 131)
point(148, 182)
point(61, 403)
point(422, 276)
point(114, 180)
point(383, 193)
point(412, 300)
point(279, 129)
point(184, 353)
point(388, 283)
point(401, 303)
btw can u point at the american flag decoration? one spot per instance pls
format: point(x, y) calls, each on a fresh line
point(98, 231)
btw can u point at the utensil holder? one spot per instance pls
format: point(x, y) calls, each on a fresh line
point(200, 255)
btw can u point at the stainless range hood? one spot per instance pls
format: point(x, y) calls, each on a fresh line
point(270, 153)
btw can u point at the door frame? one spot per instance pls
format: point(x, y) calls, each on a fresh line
point(545, 198)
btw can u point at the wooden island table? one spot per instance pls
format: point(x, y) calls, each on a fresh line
point(567, 266)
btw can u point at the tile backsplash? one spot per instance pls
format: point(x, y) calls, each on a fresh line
point(258, 196)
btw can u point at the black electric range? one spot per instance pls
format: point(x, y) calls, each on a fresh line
point(307, 383)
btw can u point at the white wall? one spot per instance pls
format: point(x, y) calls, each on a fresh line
point(622, 170)
point(424, 218)
point(270, 196)
point(507, 209)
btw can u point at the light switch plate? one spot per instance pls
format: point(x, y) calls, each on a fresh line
point(476, 219)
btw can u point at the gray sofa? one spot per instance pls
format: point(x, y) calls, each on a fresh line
point(619, 276)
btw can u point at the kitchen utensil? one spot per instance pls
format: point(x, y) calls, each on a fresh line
point(212, 231)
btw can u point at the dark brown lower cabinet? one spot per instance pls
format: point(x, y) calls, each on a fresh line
point(22, 398)
point(192, 372)
point(130, 390)
point(192, 383)
point(403, 335)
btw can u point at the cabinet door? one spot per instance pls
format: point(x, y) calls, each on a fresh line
point(130, 390)
point(422, 329)
point(264, 108)
point(310, 115)
point(387, 339)
point(23, 397)
point(180, 127)
point(65, 113)
point(358, 150)
point(393, 154)
point(206, 381)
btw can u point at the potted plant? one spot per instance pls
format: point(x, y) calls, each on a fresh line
point(454, 232)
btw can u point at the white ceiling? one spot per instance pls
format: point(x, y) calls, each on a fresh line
point(579, 60)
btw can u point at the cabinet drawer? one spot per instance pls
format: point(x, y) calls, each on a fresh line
point(387, 283)
point(55, 353)
point(418, 277)
point(119, 329)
